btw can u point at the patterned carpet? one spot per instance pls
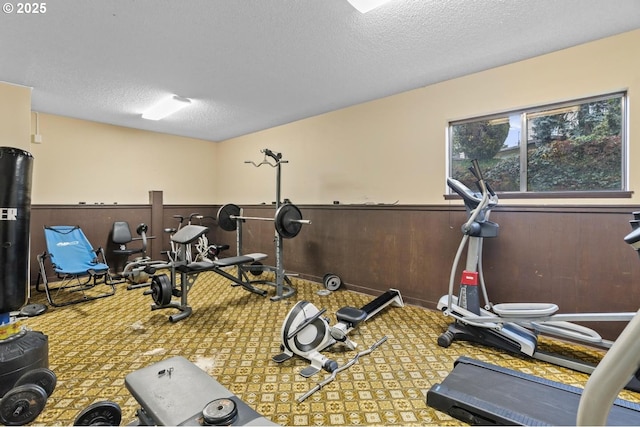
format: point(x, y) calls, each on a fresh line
point(232, 334)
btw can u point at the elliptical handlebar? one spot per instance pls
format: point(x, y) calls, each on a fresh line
point(476, 202)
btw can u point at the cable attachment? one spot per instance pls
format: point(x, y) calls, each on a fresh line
point(276, 157)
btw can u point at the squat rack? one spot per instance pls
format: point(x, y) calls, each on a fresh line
point(284, 287)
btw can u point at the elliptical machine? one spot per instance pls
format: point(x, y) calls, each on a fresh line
point(513, 327)
point(306, 333)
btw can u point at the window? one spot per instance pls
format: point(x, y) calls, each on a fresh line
point(569, 147)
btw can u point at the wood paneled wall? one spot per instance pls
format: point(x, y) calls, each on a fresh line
point(572, 256)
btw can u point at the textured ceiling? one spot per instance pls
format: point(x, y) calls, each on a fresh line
point(254, 64)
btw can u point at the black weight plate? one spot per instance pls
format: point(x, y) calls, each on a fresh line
point(220, 412)
point(44, 377)
point(285, 221)
point(155, 289)
point(255, 268)
point(21, 405)
point(104, 413)
point(161, 290)
point(224, 217)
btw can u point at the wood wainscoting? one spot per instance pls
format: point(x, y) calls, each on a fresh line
point(573, 256)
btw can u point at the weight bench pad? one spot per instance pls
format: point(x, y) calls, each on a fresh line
point(224, 262)
point(189, 233)
point(237, 260)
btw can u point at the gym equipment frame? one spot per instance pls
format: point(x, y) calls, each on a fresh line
point(306, 333)
point(288, 223)
point(163, 288)
point(136, 272)
point(515, 326)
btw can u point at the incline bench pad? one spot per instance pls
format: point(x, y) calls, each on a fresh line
point(189, 233)
point(236, 260)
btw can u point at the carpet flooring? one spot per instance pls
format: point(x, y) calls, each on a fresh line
point(233, 334)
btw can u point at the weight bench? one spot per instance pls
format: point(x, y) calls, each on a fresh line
point(163, 288)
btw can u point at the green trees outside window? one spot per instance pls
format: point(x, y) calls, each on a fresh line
point(575, 146)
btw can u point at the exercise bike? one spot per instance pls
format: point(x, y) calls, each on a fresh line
point(306, 333)
point(136, 271)
point(513, 327)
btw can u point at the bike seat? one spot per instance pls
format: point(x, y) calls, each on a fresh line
point(351, 315)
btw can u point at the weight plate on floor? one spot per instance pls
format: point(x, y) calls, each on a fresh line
point(332, 282)
point(220, 412)
point(44, 377)
point(21, 405)
point(285, 221)
point(31, 310)
point(161, 290)
point(104, 413)
point(255, 268)
point(224, 217)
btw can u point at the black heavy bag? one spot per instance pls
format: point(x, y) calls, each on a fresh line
point(15, 212)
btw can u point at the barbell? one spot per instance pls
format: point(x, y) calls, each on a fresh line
point(288, 220)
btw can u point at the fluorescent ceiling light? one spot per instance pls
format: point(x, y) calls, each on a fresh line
point(166, 107)
point(365, 6)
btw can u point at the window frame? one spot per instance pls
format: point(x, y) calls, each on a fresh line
point(525, 114)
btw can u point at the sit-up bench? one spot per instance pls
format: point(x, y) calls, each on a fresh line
point(163, 288)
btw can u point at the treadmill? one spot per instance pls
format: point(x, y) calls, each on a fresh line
point(479, 393)
point(485, 394)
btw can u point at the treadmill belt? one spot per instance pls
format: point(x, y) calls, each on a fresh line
point(484, 394)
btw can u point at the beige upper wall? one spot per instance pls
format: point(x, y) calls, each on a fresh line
point(15, 120)
point(395, 148)
point(377, 152)
point(82, 161)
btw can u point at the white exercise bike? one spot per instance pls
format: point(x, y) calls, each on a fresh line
point(305, 332)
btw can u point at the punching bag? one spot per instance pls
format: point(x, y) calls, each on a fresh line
point(15, 212)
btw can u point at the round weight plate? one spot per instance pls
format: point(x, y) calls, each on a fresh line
point(44, 377)
point(255, 268)
point(21, 405)
point(285, 221)
point(31, 310)
point(104, 413)
point(332, 282)
point(161, 290)
point(220, 412)
point(224, 217)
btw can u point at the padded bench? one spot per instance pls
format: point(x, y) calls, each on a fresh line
point(188, 235)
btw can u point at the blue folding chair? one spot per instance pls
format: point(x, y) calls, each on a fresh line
point(81, 271)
